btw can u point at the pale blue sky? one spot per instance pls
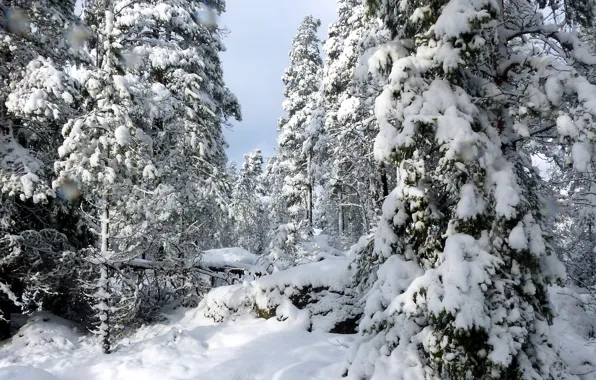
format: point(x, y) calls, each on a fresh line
point(260, 38)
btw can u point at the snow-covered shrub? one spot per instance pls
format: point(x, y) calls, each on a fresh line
point(286, 248)
point(318, 295)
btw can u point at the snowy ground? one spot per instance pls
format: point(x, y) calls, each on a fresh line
point(190, 345)
point(187, 347)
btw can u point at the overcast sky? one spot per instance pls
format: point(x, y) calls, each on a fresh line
point(260, 38)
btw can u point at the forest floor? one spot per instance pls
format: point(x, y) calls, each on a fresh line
point(187, 346)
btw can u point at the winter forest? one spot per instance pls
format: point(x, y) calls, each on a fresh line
point(429, 212)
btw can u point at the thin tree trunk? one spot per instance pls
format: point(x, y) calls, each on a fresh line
point(104, 296)
point(309, 201)
point(384, 181)
point(340, 214)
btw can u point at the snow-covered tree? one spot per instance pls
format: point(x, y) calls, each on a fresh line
point(461, 291)
point(36, 97)
point(173, 47)
point(248, 204)
point(107, 155)
point(295, 156)
point(576, 226)
point(147, 153)
point(352, 179)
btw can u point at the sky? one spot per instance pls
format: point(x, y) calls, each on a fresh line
point(259, 40)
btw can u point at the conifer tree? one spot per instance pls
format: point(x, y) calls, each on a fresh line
point(250, 218)
point(352, 179)
point(179, 56)
point(295, 156)
point(37, 229)
point(462, 287)
point(109, 158)
point(148, 152)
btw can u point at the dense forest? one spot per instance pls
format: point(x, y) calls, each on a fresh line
point(431, 204)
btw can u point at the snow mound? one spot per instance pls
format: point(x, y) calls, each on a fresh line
point(317, 296)
point(229, 257)
point(25, 373)
point(45, 335)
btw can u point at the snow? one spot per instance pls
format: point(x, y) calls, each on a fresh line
point(233, 257)
point(566, 126)
point(458, 16)
point(582, 155)
point(122, 135)
point(327, 283)
point(517, 237)
point(506, 193)
point(554, 90)
point(24, 373)
point(332, 273)
point(187, 346)
point(573, 329)
point(469, 204)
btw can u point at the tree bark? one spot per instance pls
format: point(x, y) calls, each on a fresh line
point(384, 181)
point(309, 195)
point(104, 312)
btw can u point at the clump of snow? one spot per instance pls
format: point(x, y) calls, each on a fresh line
point(582, 155)
point(506, 192)
point(122, 135)
point(566, 126)
point(458, 16)
point(229, 257)
point(470, 204)
point(517, 237)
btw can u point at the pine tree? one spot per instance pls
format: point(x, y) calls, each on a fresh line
point(352, 179)
point(35, 93)
point(108, 156)
point(250, 218)
point(148, 152)
point(179, 57)
point(295, 158)
point(462, 288)
point(38, 231)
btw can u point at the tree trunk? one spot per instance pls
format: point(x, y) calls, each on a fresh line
point(340, 214)
point(309, 195)
point(384, 182)
point(104, 299)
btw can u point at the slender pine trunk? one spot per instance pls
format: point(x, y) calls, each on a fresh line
point(309, 195)
point(104, 290)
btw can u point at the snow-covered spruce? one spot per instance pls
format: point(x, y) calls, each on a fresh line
point(294, 157)
point(249, 205)
point(462, 288)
